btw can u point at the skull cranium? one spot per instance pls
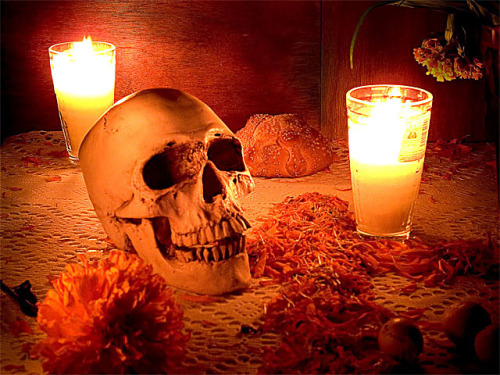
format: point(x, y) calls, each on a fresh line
point(164, 174)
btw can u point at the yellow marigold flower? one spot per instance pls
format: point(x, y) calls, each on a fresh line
point(110, 317)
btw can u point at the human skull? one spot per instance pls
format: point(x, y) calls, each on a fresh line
point(164, 174)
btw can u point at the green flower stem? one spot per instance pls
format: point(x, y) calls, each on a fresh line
point(450, 27)
point(358, 26)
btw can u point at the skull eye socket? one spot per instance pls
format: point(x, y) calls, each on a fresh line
point(176, 163)
point(226, 154)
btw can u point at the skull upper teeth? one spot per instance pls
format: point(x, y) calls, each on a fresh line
point(217, 252)
point(214, 242)
point(209, 234)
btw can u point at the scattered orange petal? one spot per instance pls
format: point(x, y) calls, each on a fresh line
point(51, 278)
point(208, 323)
point(53, 178)
point(58, 154)
point(14, 369)
point(28, 160)
point(20, 326)
point(268, 282)
point(28, 227)
point(260, 266)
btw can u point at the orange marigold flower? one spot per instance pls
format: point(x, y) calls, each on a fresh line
point(468, 69)
point(446, 65)
point(110, 317)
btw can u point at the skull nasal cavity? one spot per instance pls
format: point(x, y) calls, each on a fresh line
point(212, 186)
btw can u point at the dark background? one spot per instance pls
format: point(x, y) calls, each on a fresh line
point(239, 57)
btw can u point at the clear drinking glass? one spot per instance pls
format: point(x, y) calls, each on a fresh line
point(388, 127)
point(83, 74)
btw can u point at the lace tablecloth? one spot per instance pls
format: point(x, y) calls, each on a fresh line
point(47, 219)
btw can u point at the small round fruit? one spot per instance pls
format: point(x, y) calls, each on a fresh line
point(463, 321)
point(487, 344)
point(401, 339)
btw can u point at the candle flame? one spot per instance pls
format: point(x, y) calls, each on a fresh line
point(395, 92)
point(84, 68)
point(394, 95)
point(82, 48)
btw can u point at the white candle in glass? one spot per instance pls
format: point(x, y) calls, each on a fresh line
point(83, 74)
point(388, 127)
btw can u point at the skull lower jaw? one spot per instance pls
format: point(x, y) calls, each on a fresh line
point(212, 278)
point(202, 276)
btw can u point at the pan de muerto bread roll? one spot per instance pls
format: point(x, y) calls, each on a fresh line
point(283, 146)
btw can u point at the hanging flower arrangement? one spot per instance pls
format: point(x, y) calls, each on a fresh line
point(445, 56)
point(454, 53)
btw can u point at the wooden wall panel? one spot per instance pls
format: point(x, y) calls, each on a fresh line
point(240, 57)
point(383, 54)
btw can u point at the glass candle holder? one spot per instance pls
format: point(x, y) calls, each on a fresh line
point(83, 74)
point(388, 127)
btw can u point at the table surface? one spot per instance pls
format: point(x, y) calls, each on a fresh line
point(47, 219)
